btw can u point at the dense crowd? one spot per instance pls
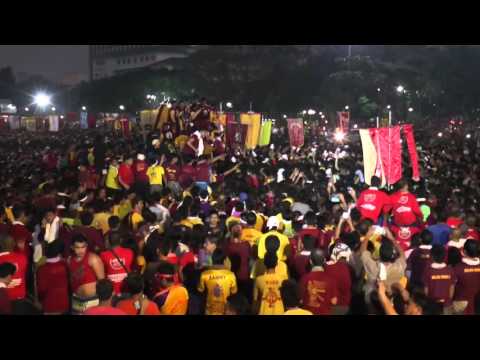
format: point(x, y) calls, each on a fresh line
point(169, 221)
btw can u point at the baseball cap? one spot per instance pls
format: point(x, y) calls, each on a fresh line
point(273, 222)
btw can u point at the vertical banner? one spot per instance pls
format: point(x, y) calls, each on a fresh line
point(370, 157)
point(31, 124)
point(53, 123)
point(253, 121)
point(412, 150)
point(14, 122)
point(265, 133)
point(344, 121)
point(236, 134)
point(296, 132)
point(83, 120)
point(92, 121)
point(125, 127)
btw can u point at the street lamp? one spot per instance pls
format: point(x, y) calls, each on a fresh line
point(311, 112)
point(389, 107)
point(27, 109)
point(400, 89)
point(121, 107)
point(54, 109)
point(84, 108)
point(347, 107)
point(42, 100)
point(379, 90)
point(410, 109)
point(229, 105)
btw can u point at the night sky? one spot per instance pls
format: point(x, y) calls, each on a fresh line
point(51, 61)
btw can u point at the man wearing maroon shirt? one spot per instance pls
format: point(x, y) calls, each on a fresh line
point(19, 232)
point(301, 261)
point(239, 254)
point(318, 290)
point(172, 173)
point(126, 177)
point(439, 279)
point(17, 289)
point(52, 282)
point(339, 270)
point(7, 270)
point(419, 260)
point(405, 208)
point(373, 202)
point(471, 222)
point(467, 273)
point(311, 229)
point(141, 178)
point(188, 172)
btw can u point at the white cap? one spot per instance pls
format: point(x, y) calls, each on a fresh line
point(273, 222)
point(141, 157)
point(156, 142)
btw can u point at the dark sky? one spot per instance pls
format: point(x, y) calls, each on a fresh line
point(52, 61)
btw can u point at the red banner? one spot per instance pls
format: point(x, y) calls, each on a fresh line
point(344, 121)
point(412, 150)
point(296, 132)
point(236, 134)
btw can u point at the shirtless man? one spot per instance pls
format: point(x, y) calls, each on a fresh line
point(86, 269)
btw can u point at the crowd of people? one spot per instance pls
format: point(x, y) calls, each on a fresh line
point(170, 221)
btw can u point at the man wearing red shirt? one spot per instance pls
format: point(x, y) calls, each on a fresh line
point(339, 270)
point(7, 270)
point(311, 229)
point(19, 232)
point(141, 178)
point(472, 233)
point(405, 208)
point(17, 289)
point(52, 282)
point(373, 202)
point(318, 289)
point(126, 177)
point(117, 261)
point(189, 172)
point(104, 289)
point(467, 273)
point(239, 254)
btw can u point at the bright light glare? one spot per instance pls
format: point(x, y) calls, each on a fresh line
point(355, 126)
point(440, 134)
point(469, 136)
point(42, 100)
point(339, 136)
point(229, 105)
point(311, 112)
point(121, 107)
point(410, 110)
point(400, 89)
point(84, 108)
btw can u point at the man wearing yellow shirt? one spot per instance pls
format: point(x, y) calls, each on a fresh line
point(111, 181)
point(218, 283)
point(284, 249)
point(249, 233)
point(100, 220)
point(156, 177)
point(136, 217)
point(271, 244)
point(267, 299)
point(291, 299)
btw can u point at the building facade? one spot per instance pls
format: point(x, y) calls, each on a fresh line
point(110, 60)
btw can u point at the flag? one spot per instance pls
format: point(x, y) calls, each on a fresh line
point(31, 123)
point(53, 123)
point(265, 133)
point(344, 121)
point(296, 132)
point(83, 120)
point(370, 157)
point(253, 122)
point(391, 154)
point(236, 134)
